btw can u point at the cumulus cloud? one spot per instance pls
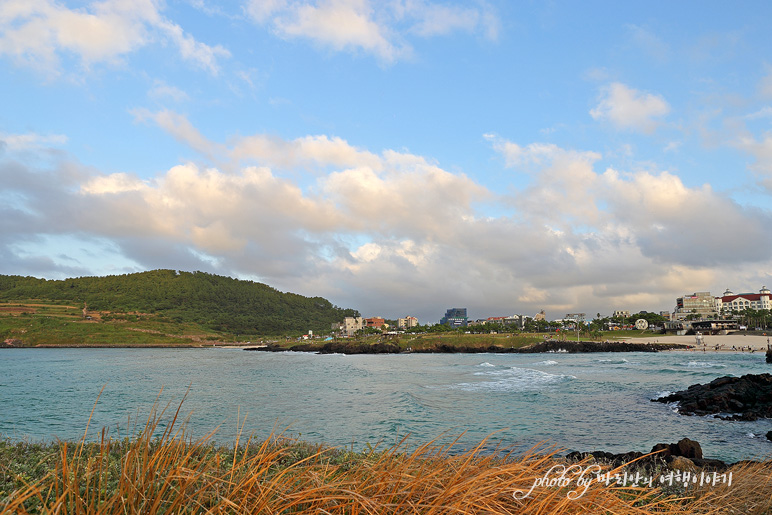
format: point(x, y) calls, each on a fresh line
point(40, 33)
point(390, 232)
point(378, 28)
point(630, 109)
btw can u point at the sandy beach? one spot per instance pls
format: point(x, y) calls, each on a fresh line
point(724, 342)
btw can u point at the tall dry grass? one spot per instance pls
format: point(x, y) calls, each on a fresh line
point(172, 474)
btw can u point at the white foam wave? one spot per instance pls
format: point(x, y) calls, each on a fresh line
point(547, 362)
point(702, 364)
point(485, 364)
point(611, 361)
point(664, 393)
point(514, 380)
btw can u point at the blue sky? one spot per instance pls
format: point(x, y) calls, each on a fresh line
point(400, 157)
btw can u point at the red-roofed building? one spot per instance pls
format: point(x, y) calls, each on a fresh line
point(738, 302)
point(375, 322)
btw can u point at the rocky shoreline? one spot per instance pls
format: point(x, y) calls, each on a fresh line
point(548, 346)
point(686, 455)
point(729, 398)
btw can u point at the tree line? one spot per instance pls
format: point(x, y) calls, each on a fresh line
point(215, 302)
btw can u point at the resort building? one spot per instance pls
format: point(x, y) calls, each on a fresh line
point(621, 313)
point(407, 322)
point(700, 303)
point(455, 317)
point(730, 302)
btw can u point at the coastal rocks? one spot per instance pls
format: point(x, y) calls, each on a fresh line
point(686, 455)
point(12, 342)
point(729, 398)
point(769, 436)
point(347, 347)
point(355, 347)
point(361, 348)
point(607, 346)
point(769, 355)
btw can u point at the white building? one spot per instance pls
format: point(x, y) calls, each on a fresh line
point(729, 301)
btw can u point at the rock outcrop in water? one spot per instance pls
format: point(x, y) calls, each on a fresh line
point(347, 347)
point(607, 346)
point(730, 398)
point(355, 347)
point(684, 455)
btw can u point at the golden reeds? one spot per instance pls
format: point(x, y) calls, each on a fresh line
point(172, 473)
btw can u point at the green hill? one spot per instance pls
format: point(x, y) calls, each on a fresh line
point(212, 302)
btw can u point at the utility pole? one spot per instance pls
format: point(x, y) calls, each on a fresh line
point(578, 318)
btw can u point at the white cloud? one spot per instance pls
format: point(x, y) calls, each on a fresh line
point(649, 42)
point(764, 112)
point(17, 142)
point(627, 108)
point(39, 33)
point(162, 90)
point(761, 150)
point(378, 28)
point(395, 232)
point(180, 128)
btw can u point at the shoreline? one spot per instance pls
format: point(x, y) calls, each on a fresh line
point(660, 342)
point(726, 342)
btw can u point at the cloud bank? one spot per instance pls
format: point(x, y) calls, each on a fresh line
point(390, 232)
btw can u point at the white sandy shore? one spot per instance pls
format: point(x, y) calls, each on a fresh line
point(725, 342)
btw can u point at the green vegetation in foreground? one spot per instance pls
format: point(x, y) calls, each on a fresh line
point(168, 305)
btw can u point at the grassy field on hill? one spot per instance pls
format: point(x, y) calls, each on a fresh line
point(44, 323)
point(168, 306)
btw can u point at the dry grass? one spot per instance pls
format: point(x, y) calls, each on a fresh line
point(171, 473)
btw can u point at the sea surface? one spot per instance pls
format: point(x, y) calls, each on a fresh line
point(574, 401)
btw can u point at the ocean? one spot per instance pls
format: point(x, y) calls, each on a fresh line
point(579, 402)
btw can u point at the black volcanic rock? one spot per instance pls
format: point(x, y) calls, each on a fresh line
point(358, 348)
point(612, 346)
point(664, 454)
point(742, 398)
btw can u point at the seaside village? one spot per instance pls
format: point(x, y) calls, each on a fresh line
point(697, 312)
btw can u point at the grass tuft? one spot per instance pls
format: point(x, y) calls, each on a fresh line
point(171, 473)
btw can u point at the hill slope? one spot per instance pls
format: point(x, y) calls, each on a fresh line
point(215, 302)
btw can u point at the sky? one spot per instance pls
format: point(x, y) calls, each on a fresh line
point(399, 157)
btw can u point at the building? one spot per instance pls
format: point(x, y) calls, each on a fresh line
point(516, 320)
point(351, 325)
point(729, 302)
point(375, 322)
point(700, 303)
point(455, 317)
point(540, 316)
point(407, 322)
point(620, 313)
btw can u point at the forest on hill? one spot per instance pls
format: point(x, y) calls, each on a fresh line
point(215, 302)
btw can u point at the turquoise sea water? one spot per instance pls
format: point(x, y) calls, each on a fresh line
point(576, 401)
